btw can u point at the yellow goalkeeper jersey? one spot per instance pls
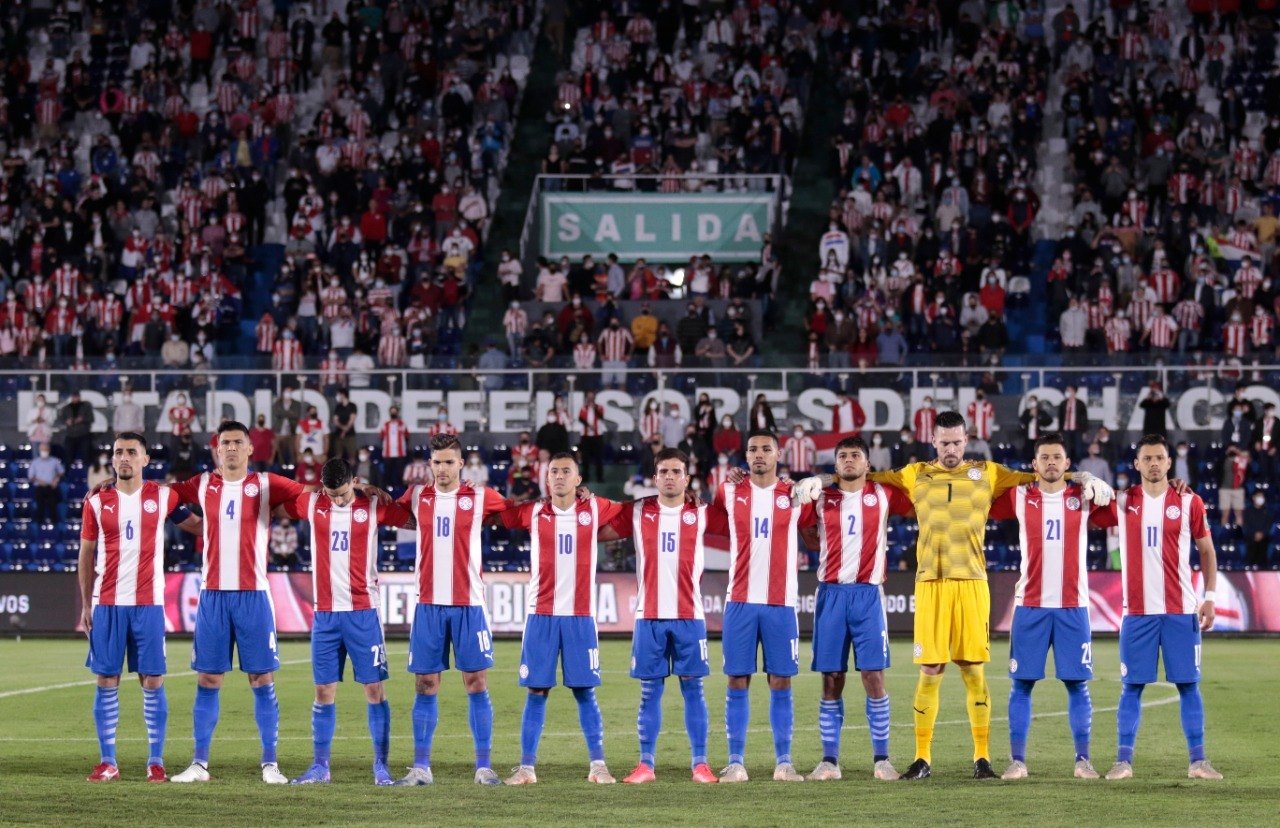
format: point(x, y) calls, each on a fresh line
point(952, 507)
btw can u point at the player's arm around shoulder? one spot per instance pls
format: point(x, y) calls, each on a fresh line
point(902, 479)
point(1004, 478)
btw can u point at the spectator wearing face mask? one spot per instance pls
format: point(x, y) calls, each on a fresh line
point(1155, 412)
point(312, 435)
point(727, 439)
point(1257, 532)
point(1034, 420)
point(475, 473)
point(263, 440)
point(308, 471)
point(100, 472)
point(45, 473)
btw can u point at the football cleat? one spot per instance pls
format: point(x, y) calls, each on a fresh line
point(598, 774)
point(105, 772)
point(522, 775)
point(315, 775)
point(272, 776)
point(982, 769)
point(1016, 770)
point(382, 775)
point(195, 772)
point(704, 775)
point(417, 776)
point(786, 772)
point(734, 773)
point(825, 772)
point(642, 774)
point(885, 770)
point(155, 773)
point(1120, 770)
point(1202, 770)
point(486, 776)
point(918, 769)
point(1084, 770)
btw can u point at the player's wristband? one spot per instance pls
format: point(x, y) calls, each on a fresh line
point(1210, 596)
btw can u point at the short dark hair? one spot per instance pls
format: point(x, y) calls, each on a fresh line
point(762, 432)
point(852, 443)
point(1051, 438)
point(672, 454)
point(231, 425)
point(565, 455)
point(131, 435)
point(444, 442)
point(1154, 440)
point(949, 419)
point(335, 473)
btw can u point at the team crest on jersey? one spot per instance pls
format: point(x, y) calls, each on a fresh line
point(975, 474)
point(689, 518)
point(584, 518)
point(869, 500)
point(1073, 503)
point(465, 503)
point(1124, 669)
point(1013, 665)
point(524, 671)
point(783, 502)
point(360, 515)
point(917, 650)
point(1173, 513)
point(150, 507)
point(251, 490)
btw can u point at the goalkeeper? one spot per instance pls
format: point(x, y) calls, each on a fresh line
point(952, 499)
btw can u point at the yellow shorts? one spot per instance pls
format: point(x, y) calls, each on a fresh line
point(953, 621)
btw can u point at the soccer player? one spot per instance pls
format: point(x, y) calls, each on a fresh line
point(451, 606)
point(561, 621)
point(671, 630)
point(1161, 613)
point(122, 597)
point(761, 610)
point(1051, 604)
point(344, 577)
point(847, 523)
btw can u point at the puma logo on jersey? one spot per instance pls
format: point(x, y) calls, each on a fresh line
point(427, 500)
point(650, 516)
point(214, 489)
point(546, 516)
point(1135, 509)
point(322, 511)
point(108, 508)
point(742, 500)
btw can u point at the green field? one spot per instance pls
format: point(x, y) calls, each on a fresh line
point(47, 745)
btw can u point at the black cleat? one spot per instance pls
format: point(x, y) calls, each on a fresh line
point(982, 770)
point(920, 770)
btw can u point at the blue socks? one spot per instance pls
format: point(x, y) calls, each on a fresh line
point(1128, 717)
point(266, 712)
point(324, 719)
point(426, 712)
point(106, 715)
point(204, 719)
point(480, 717)
point(155, 715)
point(1079, 716)
point(830, 723)
point(649, 719)
point(695, 719)
point(1192, 718)
point(782, 720)
point(591, 721)
point(1019, 718)
point(737, 712)
point(878, 722)
point(535, 716)
point(380, 730)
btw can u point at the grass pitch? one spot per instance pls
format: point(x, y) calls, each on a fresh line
point(47, 745)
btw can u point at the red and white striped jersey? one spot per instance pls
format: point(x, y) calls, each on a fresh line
point(1054, 543)
point(344, 548)
point(762, 542)
point(395, 438)
point(847, 417)
point(670, 555)
point(448, 559)
point(237, 525)
point(1189, 313)
point(1155, 551)
point(650, 424)
point(1165, 282)
point(1164, 331)
point(982, 415)
point(266, 333)
point(1261, 326)
point(1118, 333)
point(615, 344)
point(591, 420)
point(129, 533)
point(286, 355)
point(852, 541)
point(562, 578)
point(1235, 338)
point(799, 454)
point(923, 421)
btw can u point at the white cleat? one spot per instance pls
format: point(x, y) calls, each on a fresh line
point(416, 776)
point(1016, 770)
point(734, 773)
point(1120, 770)
point(196, 772)
point(786, 772)
point(1084, 770)
point(825, 772)
point(885, 770)
point(272, 776)
point(486, 776)
point(599, 774)
point(1202, 770)
point(522, 775)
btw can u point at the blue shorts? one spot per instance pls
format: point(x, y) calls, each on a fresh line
point(243, 620)
point(335, 636)
point(850, 616)
point(136, 632)
point(437, 629)
point(749, 626)
point(571, 639)
point(661, 647)
point(1036, 629)
point(1176, 637)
